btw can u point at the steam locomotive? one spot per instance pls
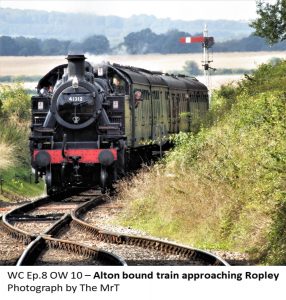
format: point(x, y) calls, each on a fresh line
point(90, 123)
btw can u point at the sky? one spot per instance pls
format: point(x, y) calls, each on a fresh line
point(176, 10)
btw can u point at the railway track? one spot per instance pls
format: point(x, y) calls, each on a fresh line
point(39, 232)
point(53, 227)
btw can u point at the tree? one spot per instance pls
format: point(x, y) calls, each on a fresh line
point(146, 41)
point(169, 43)
point(96, 44)
point(192, 68)
point(54, 47)
point(271, 23)
point(140, 42)
point(28, 46)
point(8, 46)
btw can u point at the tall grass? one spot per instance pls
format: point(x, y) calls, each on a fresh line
point(6, 157)
point(174, 204)
point(16, 137)
point(14, 143)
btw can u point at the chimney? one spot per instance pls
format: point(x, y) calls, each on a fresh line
point(76, 66)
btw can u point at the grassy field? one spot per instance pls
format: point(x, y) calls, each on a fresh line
point(21, 65)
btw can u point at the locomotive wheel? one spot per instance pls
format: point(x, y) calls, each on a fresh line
point(51, 185)
point(103, 179)
point(108, 175)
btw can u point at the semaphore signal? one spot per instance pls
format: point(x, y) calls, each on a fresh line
point(192, 39)
point(207, 42)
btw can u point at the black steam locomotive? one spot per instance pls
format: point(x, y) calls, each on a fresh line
point(91, 123)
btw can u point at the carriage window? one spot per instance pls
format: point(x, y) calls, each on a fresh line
point(145, 94)
point(155, 94)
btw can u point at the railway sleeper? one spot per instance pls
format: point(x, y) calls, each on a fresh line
point(90, 229)
point(192, 256)
point(28, 218)
point(22, 237)
point(58, 245)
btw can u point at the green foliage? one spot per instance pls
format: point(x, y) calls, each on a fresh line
point(27, 46)
point(14, 137)
point(246, 150)
point(54, 47)
point(8, 46)
point(15, 103)
point(140, 42)
point(271, 22)
point(96, 44)
point(14, 120)
point(18, 184)
point(221, 103)
point(250, 43)
point(268, 77)
point(23, 46)
point(147, 41)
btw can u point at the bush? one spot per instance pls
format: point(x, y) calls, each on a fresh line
point(15, 102)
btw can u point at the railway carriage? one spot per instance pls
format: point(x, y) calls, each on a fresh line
point(91, 123)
